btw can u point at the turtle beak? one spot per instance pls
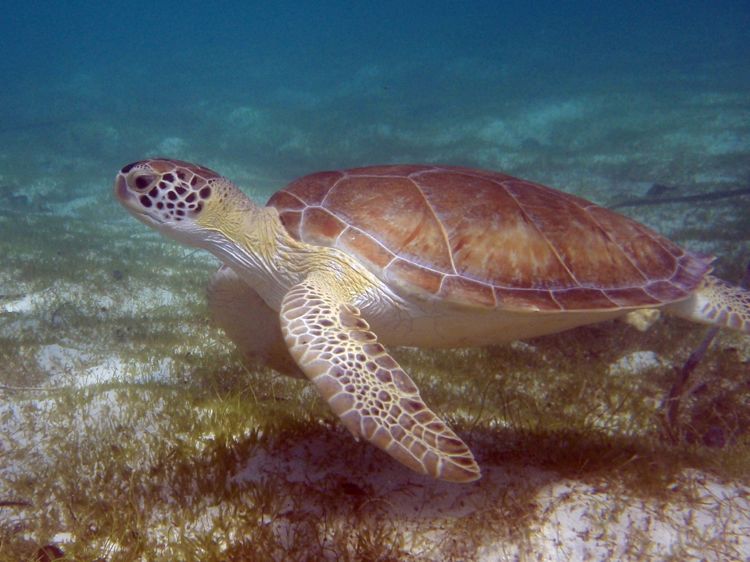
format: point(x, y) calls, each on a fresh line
point(130, 201)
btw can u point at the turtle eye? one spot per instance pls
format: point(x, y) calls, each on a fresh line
point(143, 181)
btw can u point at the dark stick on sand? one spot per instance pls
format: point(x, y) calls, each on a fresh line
point(708, 196)
point(678, 390)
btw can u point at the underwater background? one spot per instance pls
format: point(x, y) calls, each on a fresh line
point(129, 427)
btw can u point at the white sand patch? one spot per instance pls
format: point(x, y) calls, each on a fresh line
point(67, 366)
point(131, 302)
point(701, 519)
point(23, 304)
point(637, 362)
point(27, 427)
point(536, 122)
point(581, 522)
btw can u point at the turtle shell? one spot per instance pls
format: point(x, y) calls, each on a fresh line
point(486, 239)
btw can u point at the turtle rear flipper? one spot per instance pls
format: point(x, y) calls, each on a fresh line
point(364, 385)
point(716, 302)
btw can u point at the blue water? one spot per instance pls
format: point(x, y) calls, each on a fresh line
point(603, 99)
point(283, 88)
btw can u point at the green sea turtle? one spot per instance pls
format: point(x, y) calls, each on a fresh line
point(339, 263)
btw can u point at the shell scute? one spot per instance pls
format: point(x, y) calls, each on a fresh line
point(467, 291)
point(583, 246)
point(631, 296)
point(582, 298)
point(357, 243)
point(653, 253)
point(320, 225)
point(535, 299)
point(665, 291)
point(400, 271)
point(490, 238)
point(288, 201)
point(311, 189)
point(394, 210)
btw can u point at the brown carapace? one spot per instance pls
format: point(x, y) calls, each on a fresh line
point(488, 239)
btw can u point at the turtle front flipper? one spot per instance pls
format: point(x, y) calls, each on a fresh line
point(363, 384)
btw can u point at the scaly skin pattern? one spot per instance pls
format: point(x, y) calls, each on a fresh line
point(364, 385)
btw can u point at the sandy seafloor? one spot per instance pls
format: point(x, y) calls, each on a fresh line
point(129, 428)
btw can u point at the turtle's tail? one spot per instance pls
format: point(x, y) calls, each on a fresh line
point(716, 302)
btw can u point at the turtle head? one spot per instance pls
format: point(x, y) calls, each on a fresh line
point(181, 200)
